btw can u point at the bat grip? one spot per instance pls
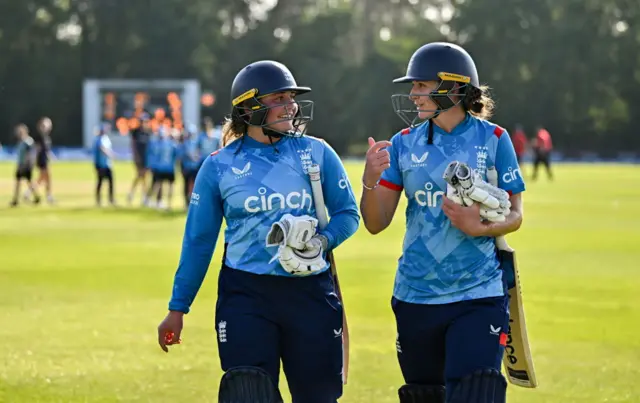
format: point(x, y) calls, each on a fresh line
point(318, 196)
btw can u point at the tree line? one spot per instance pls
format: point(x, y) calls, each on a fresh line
point(571, 66)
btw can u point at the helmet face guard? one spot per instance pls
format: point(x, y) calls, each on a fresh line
point(445, 96)
point(250, 110)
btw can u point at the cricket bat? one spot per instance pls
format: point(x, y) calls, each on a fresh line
point(323, 220)
point(518, 361)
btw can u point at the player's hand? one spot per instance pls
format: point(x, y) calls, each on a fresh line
point(377, 160)
point(466, 219)
point(169, 330)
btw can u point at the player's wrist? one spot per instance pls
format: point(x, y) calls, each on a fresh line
point(367, 184)
point(173, 312)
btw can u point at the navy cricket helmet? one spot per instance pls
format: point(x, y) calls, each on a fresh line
point(263, 78)
point(444, 62)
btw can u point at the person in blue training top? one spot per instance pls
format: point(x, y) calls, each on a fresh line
point(159, 159)
point(102, 160)
point(270, 307)
point(152, 158)
point(209, 140)
point(165, 156)
point(189, 160)
point(449, 298)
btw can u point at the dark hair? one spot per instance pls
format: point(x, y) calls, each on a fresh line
point(478, 102)
point(234, 127)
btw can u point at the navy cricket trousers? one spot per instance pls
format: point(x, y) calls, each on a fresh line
point(439, 344)
point(262, 320)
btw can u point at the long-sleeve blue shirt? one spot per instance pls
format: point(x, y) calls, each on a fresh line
point(251, 189)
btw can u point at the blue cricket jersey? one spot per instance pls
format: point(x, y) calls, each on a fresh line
point(153, 152)
point(439, 263)
point(24, 151)
point(251, 189)
point(190, 154)
point(165, 155)
point(100, 159)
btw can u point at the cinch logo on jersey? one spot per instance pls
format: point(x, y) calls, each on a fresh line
point(241, 173)
point(419, 161)
point(512, 175)
point(264, 202)
point(428, 197)
point(343, 183)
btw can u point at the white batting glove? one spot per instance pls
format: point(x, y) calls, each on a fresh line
point(495, 215)
point(318, 242)
point(478, 190)
point(300, 262)
point(453, 195)
point(465, 186)
point(470, 184)
point(492, 177)
point(292, 231)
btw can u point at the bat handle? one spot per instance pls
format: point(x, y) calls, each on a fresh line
point(318, 197)
point(314, 172)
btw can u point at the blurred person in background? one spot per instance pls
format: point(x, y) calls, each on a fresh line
point(189, 160)
point(102, 159)
point(450, 298)
point(520, 143)
point(268, 309)
point(26, 157)
point(209, 141)
point(542, 148)
point(44, 156)
point(152, 157)
point(165, 156)
point(139, 141)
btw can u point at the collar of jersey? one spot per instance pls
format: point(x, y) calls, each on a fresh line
point(251, 143)
point(461, 128)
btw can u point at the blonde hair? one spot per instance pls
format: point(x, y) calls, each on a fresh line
point(45, 124)
point(233, 128)
point(478, 102)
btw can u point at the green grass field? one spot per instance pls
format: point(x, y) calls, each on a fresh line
point(82, 290)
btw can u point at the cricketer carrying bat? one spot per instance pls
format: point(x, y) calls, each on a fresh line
point(276, 296)
point(449, 297)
